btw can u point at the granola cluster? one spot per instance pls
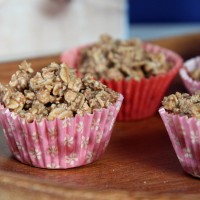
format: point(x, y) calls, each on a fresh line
point(119, 59)
point(195, 74)
point(55, 91)
point(183, 104)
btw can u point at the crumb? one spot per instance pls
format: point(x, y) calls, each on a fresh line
point(118, 59)
point(55, 91)
point(183, 104)
point(194, 74)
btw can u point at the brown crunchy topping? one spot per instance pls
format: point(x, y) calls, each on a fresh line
point(12, 98)
point(61, 111)
point(20, 79)
point(195, 74)
point(118, 59)
point(183, 104)
point(55, 91)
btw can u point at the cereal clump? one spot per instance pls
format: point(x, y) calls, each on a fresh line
point(183, 104)
point(55, 91)
point(118, 59)
point(195, 74)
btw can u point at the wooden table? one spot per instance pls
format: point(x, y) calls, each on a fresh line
point(139, 163)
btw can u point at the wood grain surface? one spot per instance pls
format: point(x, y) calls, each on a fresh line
point(139, 163)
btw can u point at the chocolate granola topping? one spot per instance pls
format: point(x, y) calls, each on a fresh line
point(55, 91)
point(120, 59)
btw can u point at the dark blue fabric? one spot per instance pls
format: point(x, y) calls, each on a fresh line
point(161, 11)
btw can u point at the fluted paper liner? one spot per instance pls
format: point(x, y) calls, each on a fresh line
point(141, 98)
point(191, 85)
point(184, 134)
point(60, 144)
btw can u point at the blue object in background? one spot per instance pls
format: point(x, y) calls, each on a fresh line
point(164, 11)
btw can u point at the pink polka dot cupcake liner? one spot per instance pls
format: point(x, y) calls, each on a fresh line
point(141, 98)
point(60, 144)
point(191, 85)
point(184, 134)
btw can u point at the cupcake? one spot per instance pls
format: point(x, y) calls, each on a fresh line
point(54, 119)
point(181, 116)
point(190, 74)
point(142, 72)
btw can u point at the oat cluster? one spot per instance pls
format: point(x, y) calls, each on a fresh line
point(55, 91)
point(195, 74)
point(119, 59)
point(183, 104)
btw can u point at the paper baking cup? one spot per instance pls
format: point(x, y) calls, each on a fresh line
point(184, 134)
point(191, 85)
point(141, 99)
point(60, 144)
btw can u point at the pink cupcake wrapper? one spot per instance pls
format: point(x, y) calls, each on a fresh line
point(191, 85)
point(141, 99)
point(184, 134)
point(60, 144)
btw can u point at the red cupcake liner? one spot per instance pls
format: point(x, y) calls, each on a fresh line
point(141, 98)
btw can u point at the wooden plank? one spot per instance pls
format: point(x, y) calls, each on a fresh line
point(186, 45)
point(19, 187)
point(139, 163)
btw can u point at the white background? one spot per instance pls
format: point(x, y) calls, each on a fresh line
point(30, 28)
